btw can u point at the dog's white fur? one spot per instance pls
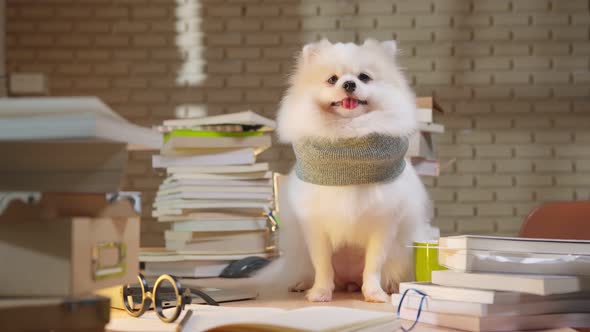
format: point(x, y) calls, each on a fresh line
point(346, 236)
point(342, 225)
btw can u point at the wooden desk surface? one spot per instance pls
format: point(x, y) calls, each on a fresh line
point(291, 301)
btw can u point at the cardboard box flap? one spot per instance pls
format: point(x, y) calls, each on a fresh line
point(67, 205)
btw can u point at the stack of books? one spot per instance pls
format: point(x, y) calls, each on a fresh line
point(422, 150)
point(66, 144)
point(504, 284)
point(62, 227)
point(216, 197)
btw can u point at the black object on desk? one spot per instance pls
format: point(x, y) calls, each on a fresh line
point(244, 268)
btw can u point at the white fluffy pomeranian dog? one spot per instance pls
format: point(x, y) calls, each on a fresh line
point(356, 236)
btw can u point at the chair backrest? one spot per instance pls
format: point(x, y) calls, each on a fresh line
point(558, 220)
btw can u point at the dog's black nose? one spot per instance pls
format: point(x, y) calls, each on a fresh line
point(349, 86)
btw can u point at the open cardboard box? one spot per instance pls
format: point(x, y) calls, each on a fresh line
point(67, 245)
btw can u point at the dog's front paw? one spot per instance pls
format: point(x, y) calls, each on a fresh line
point(375, 294)
point(300, 286)
point(318, 294)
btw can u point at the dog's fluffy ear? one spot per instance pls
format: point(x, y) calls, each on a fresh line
point(312, 49)
point(390, 47)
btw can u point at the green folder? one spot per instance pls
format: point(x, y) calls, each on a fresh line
point(209, 133)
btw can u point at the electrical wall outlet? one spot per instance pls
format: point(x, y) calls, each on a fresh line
point(27, 84)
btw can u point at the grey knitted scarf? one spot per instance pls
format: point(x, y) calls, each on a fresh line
point(368, 159)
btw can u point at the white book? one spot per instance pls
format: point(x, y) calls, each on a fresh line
point(188, 269)
point(266, 319)
point(499, 323)
point(420, 145)
point(251, 224)
point(229, 205)
point(222, 177)
point(212, 243)
point(219, 189)
point(43, 106)
point(232, 157)
point(189, 152)
point(222, 214)
point(241, 118)
point(259, 143)
point(431, 127)
point(534, 284)
point(172, 256)
point(516, 244)
point(72, 118)
point(315, 318)
point(424, 114)
point(426, 167)
point(469, 260)
point(425, 107)
point(222, 128)
point(480, 309)
point(460, 294)
point(209, 203)
point(173, 183)
point(231, 195)
point(218, 169)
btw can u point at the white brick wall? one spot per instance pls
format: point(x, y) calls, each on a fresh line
point(513, 75)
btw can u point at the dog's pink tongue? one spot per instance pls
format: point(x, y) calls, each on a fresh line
point(349, 103)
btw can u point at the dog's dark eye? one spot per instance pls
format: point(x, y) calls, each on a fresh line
point(333, 79)
point(364, 77)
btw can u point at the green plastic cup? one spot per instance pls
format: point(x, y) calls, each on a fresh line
point(426, 260)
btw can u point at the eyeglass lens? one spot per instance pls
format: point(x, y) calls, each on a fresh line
point(134, 297)
point(167, 299)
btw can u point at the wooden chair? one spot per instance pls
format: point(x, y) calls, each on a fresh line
point(558, 220)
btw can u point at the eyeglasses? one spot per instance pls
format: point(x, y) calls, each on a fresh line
point(167, 293)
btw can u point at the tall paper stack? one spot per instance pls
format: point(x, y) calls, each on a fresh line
point(215, 197)
point(422, 149)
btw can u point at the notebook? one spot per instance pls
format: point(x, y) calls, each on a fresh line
point(241, 118)
point(534, 284)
